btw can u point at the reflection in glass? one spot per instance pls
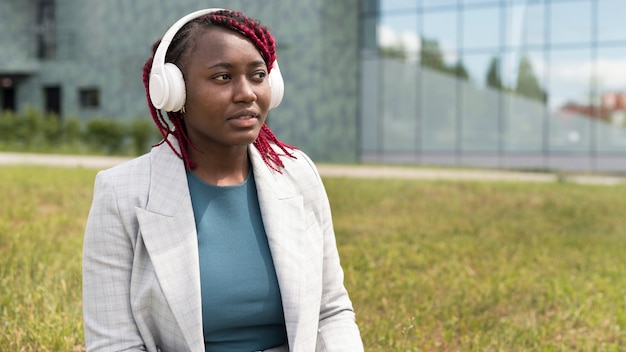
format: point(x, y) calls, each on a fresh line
point(370, 91)
point(525, 25)
point(438, 3)
point(441, 27)
point(571, 99)
point(468, 3)
point(398, 37)
point(610, 131)
point(438, 110)
point(570, 22)
point(369, 36)
point(524, 101)
point(399, 114)
point(481, 27)
point(569, 74)
point(521, 78)
point(480, 104)
point(484, 69)
point(611, 20)
point(391, 5)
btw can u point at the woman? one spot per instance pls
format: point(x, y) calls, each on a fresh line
point(220, 238)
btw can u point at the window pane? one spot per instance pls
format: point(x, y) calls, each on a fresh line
point(89, 98)
point(369, 38)
point(525, 25)
point(481, 28)
point(469, 3)
point(438, 110)
point(524, 102)
point(441, 27)
point(480, 107)
point(398, 36)
point(484, 69)
point(611, 20)
point(390, 5)
point(369, 105)
point(610, 131)
point(524, 124)
point(570, 100)
point(570, 22)
point(399, 105)
point(438, 3)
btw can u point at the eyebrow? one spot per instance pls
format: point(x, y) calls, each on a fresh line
point(255, 63)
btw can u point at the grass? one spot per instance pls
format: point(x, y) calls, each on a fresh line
point(430, 266)
point(434, 266)
point(42, 216)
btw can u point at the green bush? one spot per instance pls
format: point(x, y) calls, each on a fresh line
point(8, 121)
point(29, 128)
point(52, 130)
point(106, 135)
point(142, 132)
point(72, 131)
point(48, 133)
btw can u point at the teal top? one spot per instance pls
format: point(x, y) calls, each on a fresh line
point(241, 303)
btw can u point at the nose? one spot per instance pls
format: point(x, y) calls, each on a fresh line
point(244, 91)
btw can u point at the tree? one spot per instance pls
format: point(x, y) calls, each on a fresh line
point(493, 78)
point(527, 83)
point(459, 70)
point(393, 52)
point(431, 55)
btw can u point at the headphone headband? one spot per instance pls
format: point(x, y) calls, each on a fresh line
point(167, 86)
point(159, 56)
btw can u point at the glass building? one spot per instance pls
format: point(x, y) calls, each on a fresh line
point(535, 84)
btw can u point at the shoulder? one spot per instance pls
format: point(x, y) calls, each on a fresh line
point(300, 167)
point(127, 183)
point(302, 173)
point(128, 172)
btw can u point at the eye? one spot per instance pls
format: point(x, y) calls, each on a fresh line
point(259, 75)
point(222, 77)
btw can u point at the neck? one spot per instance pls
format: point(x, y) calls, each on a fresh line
point(221, 168)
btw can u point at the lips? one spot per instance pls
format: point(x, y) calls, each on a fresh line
point(245, 115)
point(244, 119)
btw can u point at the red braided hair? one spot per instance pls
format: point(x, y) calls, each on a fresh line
point(182, 41)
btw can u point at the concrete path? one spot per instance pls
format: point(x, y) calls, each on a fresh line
point(337, 170)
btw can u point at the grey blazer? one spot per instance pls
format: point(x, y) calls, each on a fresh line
point(141, 280)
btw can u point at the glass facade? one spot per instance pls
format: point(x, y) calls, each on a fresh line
point(537, 84)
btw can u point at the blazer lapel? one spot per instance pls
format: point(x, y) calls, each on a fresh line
point(282, 211)
point(169, 234)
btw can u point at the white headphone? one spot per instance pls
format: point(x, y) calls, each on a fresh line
point(167, 86)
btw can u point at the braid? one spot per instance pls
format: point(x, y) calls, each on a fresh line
point(262, 40)
point(270, 156)
point(159, 120)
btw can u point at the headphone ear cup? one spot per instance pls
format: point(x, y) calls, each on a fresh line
point(167, 88)
point(158, 87)
point(277, 86)
point(175, 99)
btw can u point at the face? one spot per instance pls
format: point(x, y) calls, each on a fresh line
point(228, 92)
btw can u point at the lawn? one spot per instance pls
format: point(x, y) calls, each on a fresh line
point(430, 266)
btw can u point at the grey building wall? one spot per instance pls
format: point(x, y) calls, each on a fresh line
point(104, 43)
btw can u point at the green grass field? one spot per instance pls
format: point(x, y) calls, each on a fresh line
point(431, 266)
